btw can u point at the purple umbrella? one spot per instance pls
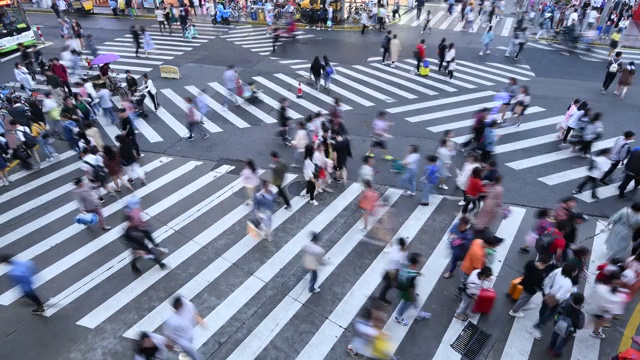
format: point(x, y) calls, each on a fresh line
point(105, 58)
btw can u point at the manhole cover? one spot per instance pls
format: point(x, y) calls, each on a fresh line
point(471, 341)
point(295, 188)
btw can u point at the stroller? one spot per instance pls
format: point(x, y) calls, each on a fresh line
point(138, 103)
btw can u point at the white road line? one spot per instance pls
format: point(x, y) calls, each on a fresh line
point(517, 145)
point(92, 280)
point(128, 49)
point(344, 92)
point(407, 17)
point(512, 129)
point(531, 43)
point(235, 120)
point(603, 192)
point(485, 68)
point(22, 173)
point(301, 66)
point(276, 105)
point(459, 26)
point(288, 94)
point(141, 124)
point(415, 77)
point(262, 49)
point(435, 19)
point(26, 188)
point(555, 156)
point(565, 176)
point(291, 61)
point(584, 346)
point(507, 27)
point(520, 340)
point(167, 37)
point(62, 235)
point(184, 106)
point(218, 317)
point(396, 80)
point(176, 45)
point(245, 105)
point(131, 54)
point(265, 53)
point(173, 123)
point(470, 122)
point(134, 60)
point(183, 49)
point(432, 103)
point(241, 30)
point(198, 283)
point(375, 82)
point(448, 20)
point(186, 41)
point(476, 25)
point(261, 46)
point(433, 75)
point(310, 91)
point(507, 230)
point(479, 73)
point(232, 37)
point(512, 69)
point(342, 316)
point(457, 111)
point(362, 88)
point(434, 68)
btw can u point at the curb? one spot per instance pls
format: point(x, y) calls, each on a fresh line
point(596, 44)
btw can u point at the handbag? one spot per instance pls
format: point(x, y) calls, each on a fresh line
point(550, 300)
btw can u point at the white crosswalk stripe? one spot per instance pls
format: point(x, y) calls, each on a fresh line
point(209, 228)
point(258, 40)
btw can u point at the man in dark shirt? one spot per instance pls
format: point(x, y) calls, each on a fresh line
point(342, 151)
point(128, 130)
point(283, 120)
point(132, 83)
point(71, 109)
point(136, 38)
point(27, 60)
point(278, 172)
point(183, 20)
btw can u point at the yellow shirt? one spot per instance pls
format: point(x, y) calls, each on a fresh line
point(615, 37)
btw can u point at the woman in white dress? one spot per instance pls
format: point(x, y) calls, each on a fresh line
point(23, 77)
point(147, 41)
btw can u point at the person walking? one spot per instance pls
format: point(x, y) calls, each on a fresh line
point(622, 224)
point(442, 50)
point(162, 25)
point(147, 41)
point(169, 17)
point(128, 129)
point(61, 72)
point(427, 25)
point(410, 163)
point(473, 190)
point(88, 201)
point(615, 41)
point(394, 49)
point(449, 55)
point(27, 139)
point(113, 164)
point(473, 285)
point(614, 66)
point(532, 281)
point(341, 153)
point(328, 72)
point(263, 209)
point(419, 7)
point(21, 274)
point(137, 41)
point(460, 237)
point(632, 172)
point(557, 287)
point(316, 71)
point(367, 203)
point(386, 46)
point(430, 178)
point(250, 180)
point(278, 172)
point(150, 89)
point(397, 258)
point(135, 236)
point(230, 78)
point(407, 285)
point(313, 260)
point(283, 121)
point(151, 346)
point(597, 167)
point(569, 319)
point(179, 327)
point(420, 53)
point(487, 38)
point(310, 175)
point(130, 160)
point(626, 79)
point(193, 123)
point(620, 151)
point(492, 206)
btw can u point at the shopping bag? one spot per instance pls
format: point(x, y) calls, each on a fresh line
point(86, 219)
point(253, 229)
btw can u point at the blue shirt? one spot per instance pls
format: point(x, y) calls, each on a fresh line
point(431, 174)
point(489, 139)
point(21, 274)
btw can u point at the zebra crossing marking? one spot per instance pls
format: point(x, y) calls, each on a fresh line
point(146, 130)
point(235, 120)
point(343, 92)
point(185, 107)
point(250, 108)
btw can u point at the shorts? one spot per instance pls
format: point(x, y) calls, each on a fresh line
point(340, 165)
point(379, 143)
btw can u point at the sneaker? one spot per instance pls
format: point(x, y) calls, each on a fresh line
point(595, 197)
point(190, 138)
point(313, 202)
point(206, 136)
point(424, 204)
point(515, 58)
point(523, 250)
point(518, 314)
point(101, 199)
point(106, 228)
point(162, 250)
point(443, 187)
point(576, 191)
point(597, 335)
point(352, 352)
point(603, 182)
point(38, 311)
point(388, 157)
point(536, 333)
point(423, 315)
point(315, 291)
point(363, 229)
point(481, 53)
point(461, 203)
point(337, 181)
point(319, 190)
point(488, 52)
point(401, 321)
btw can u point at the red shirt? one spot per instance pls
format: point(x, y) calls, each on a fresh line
point(558, 243)
point(60, 71)
point(421, 51)
point(474, 187)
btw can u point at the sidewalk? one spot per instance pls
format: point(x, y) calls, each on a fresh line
point(148, 14)
point(631, 36)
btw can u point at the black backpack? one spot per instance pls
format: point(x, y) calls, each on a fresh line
point(544, 241)
point(99, 173)
point(29, 140)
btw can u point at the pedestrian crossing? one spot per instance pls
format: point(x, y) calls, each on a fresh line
point(257, 39)
point(441, 20)
point(253, 293)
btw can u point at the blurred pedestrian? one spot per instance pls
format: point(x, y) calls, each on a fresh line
point(626, 79)
point(21, 274)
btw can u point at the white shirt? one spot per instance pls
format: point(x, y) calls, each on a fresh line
point(445, 154)
point(319, 159)
point(249, 178)
point(573, 18)
point(91, 90)
point(19, 132)
point(557, 285)
point(93, 160)
point(312, 256)
point(397, 258)
point(380, 126)
point(105, 98)
point(148, 86)
point(300, 140)
point(159, 15)
point(308, 169)
point(592, 16)
point(366, 173)
point(229, 78)
point(411, 161)
point(474, 284)
point(601, 165)
point(179, 326)
point(449, 54)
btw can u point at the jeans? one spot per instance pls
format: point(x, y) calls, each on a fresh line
point(428, 189)
point(311, 189)
point(588, 179)
point(195, 126)
point(524, 299)
point(612, 168)
point(464, 305)
point(327, 82)
point(546, 313)
point(404, 306)
point(457, 255)
point(230, 96)
point(485, 47)
point(557, 342)
point(312, 281)
point(49, 151)
point(385, 52)
point(109, 114)
point(409, 179)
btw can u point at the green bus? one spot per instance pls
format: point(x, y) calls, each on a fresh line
point(14, 28)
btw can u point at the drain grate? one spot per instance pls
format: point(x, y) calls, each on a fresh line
point(471, 341)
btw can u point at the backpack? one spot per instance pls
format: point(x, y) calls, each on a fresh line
point(386, 42)
point(544, 241)
point(329, 70)
point(563, 326)
point(29, 140)
point(614, 66)
point(99, 173)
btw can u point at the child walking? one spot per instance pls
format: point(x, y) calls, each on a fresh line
point(487, 38)
point(473, 285)
point(426, 23)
